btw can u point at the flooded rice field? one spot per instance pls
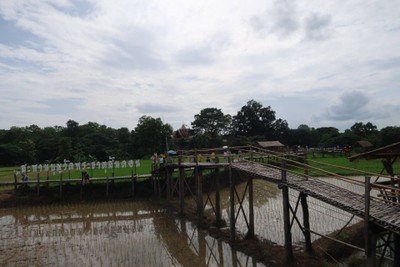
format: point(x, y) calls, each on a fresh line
point(140, 233)
point(131, 233)
point(268, 215)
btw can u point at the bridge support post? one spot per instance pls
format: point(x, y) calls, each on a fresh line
point(181, 187)
point(15, 183)
point(232, 219)
point(250, 233)
point(199, 193)
point(396, 250)
point(217, 198)
point(306, 222)
point(286, 214)
point(168, 183)
point(61, 181)
point(369, 233)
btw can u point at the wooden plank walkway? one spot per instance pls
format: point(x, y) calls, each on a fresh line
point(385, 215)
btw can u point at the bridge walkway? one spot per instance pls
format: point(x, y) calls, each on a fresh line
point(381, 213)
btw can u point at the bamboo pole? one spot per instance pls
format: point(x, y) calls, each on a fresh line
point(250, 232)
point(306, 222)
point(181, 186)
point(370, 242)
point(286, 214)
point(15, 182)
point(232, 220)
point(38, 185)
point(217, 198)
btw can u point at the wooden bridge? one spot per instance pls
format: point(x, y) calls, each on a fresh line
point(183, 176)
point(378, 206)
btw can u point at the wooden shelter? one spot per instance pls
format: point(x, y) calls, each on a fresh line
point(363, 145)
point(272, 145)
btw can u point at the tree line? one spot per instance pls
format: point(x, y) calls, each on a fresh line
point(210, 128)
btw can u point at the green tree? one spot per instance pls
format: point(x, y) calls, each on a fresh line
point(304, 136)
point(281, 130)
point(327, 136)
point(253, 119)
point(151, 135)
point(389, 135)
point(211, 122)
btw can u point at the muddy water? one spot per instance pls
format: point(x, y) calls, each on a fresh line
point(138, 233)
point(131, 233)
point(268, 211)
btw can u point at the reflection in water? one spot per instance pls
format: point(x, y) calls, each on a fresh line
point(108, 234)
point(268, 212)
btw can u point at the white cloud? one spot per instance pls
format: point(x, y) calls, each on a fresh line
point(120, 59)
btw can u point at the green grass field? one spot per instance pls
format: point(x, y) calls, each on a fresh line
point(346, 168)
point(7, 173)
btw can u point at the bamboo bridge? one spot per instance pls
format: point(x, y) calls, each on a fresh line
point(199, 174)
point(379, 205)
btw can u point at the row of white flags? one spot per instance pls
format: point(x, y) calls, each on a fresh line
point(80, 166)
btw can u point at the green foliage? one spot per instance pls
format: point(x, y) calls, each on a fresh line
point(254, 119)
point(211, 128)
point(211, 122)
point(151, 135)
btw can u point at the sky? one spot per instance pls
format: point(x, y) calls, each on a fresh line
point(320, 63)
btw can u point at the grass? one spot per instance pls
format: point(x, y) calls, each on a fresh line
point(341, 165)
point(346, 168)
point(7, 173)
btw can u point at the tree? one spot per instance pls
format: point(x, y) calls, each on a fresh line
point(281, 130)
point(253, 119)
point(327, 136)
point(304, 136)
point(366, 131)
point(389, 135)
point(151, 135)
point(211, 122)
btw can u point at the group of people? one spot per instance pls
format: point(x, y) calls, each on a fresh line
point(159, 160)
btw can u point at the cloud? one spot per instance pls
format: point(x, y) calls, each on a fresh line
point(156, 108)
point(351, 106)
point(281, 19)
point(317, 26)
point(133, 50)
point(114, 61)
point(195, 56)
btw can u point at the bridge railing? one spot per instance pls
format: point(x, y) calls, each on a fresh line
point(383, 188)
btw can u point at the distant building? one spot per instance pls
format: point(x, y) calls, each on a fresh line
point(363, 146)
point(272, 145)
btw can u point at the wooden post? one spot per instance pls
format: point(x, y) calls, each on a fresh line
point(370, 242)
point(38, 185)
point(82, 181)
point(217, 198)
point(15, 182)
point(107, 186)
point(220, 253)
point(133, 182)
point(396, 250)
point(181, 186)
point(200, 209)
point(306, 222)
point(286, 213)
point(250, 233)
point(232, 221)
point(61, 181)
point(168, 181)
